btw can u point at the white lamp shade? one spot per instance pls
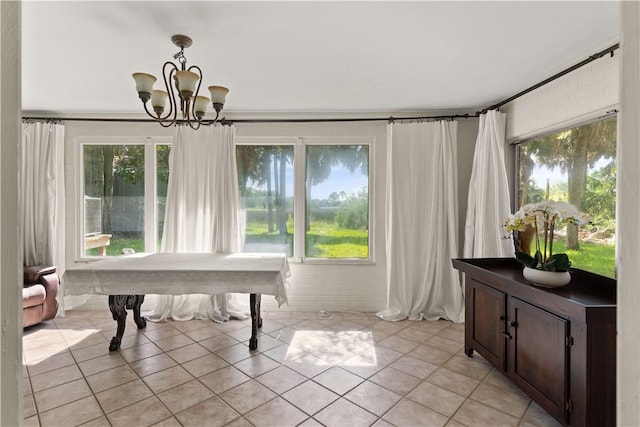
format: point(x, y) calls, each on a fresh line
point(187, 80)
point(144, 82)
point(218, 94)
point(201, 104)
point(159, 98)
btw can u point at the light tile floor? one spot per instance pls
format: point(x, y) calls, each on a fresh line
point(344, 369)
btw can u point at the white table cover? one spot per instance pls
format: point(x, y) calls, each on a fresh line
point(181, 273)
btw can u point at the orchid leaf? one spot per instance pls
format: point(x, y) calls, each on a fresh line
point(549, 265)
point(560, 262)
point(538, 258)
point(526, 259)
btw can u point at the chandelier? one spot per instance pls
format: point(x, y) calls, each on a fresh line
point(185, 95)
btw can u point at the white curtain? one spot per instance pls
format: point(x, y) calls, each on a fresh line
point(422, 222)
point(42, 194)
point(201, 214)
point(488, 203)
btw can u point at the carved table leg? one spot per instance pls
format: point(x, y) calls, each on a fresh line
point(256, 320)
point(141, 322)
point(118, 304)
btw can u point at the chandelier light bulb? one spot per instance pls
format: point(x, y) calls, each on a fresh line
point(159, 101)
point(200, 107)
point(187, 81)
point(218, 96)
point(144, 84)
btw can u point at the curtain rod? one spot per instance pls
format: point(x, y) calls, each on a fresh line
point(590, 59)
point(389, 119)
point(225, 121)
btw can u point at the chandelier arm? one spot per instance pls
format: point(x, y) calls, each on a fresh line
point(163, 121)
point(149, 112)
point(185, 114)
point(213, 121)
point(193, 98)
point(173, 108)
point(166, 124)
point(193, 125)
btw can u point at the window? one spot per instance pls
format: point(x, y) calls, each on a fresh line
point(308, 197)
point(337, 188)
point(123, 190)
point(265, 179)
point(578, 166)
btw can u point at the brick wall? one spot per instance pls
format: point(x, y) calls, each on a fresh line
point(579, 96)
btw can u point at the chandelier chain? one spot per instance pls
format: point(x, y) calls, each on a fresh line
point(180, 56)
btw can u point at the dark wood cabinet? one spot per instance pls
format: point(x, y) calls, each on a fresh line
point(558, 345)
point(538, 347)
point(485, 317)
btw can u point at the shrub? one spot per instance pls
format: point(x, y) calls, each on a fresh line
point(354, 212)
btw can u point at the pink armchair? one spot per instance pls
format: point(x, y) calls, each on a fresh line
point(41, 284)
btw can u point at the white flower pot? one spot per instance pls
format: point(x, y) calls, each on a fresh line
point(547, 279)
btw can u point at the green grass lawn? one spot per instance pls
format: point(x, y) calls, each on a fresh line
point(597, 258)
point(323, 240)
point(116, 245)
point(327, 240)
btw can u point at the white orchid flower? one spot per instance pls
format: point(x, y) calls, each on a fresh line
point(546, 216)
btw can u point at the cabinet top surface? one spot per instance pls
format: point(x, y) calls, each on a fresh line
point(585, 289)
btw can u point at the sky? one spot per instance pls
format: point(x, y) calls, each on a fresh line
point(341, 179)
point(541, 173)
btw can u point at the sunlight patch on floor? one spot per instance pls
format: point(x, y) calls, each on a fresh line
point(44, 343)
point(341, 344)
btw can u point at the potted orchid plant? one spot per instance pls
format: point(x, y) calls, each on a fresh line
point(545, 219)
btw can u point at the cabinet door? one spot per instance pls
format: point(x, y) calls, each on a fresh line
point(538, 356)
point(485, 322)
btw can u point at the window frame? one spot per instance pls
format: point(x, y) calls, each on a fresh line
point(299, 190)
point(515, 152)
point(150, 188)
point(567, 125)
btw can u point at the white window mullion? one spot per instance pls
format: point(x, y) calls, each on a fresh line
point(300, 200)
point(79, 205)
point(150, 211)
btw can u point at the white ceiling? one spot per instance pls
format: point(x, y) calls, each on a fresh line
point(311, 57)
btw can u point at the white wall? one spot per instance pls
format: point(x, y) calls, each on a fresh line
point(628, 353)
point(581, 95)
point(330, 287)
point(11, 250)
point(467, 135)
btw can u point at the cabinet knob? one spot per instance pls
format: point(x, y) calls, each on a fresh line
point(501, 317)
point(514, 324)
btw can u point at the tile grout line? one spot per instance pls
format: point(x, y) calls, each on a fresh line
point(253, 376)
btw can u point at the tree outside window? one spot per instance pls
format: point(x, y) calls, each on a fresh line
point(577, 165)
point(114, 196)
point(335, 224)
